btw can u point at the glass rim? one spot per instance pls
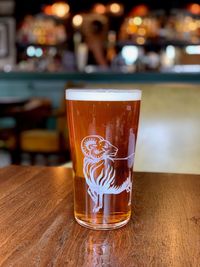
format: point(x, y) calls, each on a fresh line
point(82, 94)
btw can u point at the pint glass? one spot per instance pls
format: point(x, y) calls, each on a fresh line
point(103, 128)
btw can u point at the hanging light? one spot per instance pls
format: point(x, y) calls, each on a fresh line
point(115, 9)
point(140, 10)
point(99, 8)
point(194, 8)
point(60, 9)
point(48, 10)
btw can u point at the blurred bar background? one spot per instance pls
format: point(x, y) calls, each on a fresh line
point(47, 46)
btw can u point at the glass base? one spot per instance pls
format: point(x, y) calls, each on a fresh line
point(102, 226)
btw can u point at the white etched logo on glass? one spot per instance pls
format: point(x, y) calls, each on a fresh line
point(99, 172)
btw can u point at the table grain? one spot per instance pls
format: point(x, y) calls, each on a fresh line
point(37, 227)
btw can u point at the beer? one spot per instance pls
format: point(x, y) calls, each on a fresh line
point(103, 128)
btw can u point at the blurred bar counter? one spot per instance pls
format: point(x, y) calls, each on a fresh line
point(101, 77)
point(52, 85)
point(169, 132)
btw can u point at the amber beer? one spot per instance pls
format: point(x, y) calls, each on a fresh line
point(103, 128)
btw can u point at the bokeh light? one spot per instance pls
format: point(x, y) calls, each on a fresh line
point(77, 20)
point(30, 51)
point(99, 8)
point(194, 8)
point(115, 8)
point(140, 40)
point(137, 21)
point(130, 54)
point(60, 9)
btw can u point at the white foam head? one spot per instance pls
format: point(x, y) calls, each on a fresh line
point(103, 94)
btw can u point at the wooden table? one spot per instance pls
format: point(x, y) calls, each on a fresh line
point(37, 227)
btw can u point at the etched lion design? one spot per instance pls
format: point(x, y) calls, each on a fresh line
point(98, 169)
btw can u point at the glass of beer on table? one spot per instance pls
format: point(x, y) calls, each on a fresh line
point(103, 126)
